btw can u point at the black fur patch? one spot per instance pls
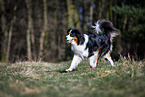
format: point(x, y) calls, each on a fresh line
point(101, 41)
point(98, 41)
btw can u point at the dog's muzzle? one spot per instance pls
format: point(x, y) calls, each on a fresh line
point(68, 38)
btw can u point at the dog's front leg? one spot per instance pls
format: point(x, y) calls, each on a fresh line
point(76, 60)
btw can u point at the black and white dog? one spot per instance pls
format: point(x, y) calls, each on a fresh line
point(92, 46)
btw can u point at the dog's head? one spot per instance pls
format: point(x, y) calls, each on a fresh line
point(74, 36)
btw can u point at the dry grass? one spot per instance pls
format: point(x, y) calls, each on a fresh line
point(41, 79)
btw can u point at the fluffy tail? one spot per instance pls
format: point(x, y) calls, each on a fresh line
point(106, 27)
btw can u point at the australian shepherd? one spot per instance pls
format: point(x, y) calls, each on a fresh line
point(92, 46)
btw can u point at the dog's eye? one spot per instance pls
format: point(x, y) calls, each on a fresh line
point(72, 34)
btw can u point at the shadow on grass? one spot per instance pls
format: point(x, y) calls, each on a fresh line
point(57, 71)
point(60, 71)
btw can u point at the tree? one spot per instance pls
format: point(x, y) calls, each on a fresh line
point(85, 15)
point(30, 32)
point(36, 29)
point(91, 12)
point(132, 29)
point(45, 29)
point(110, 10)
point(101, 8)
point(9, 41)
point(70, 13)
point(4, 31)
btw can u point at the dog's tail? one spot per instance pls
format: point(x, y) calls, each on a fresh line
point(106, 27)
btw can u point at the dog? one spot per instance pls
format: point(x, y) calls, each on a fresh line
point(92, 46)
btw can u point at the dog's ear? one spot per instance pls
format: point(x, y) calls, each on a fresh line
point(79, 36)
point(69, 30)
point(77, 31)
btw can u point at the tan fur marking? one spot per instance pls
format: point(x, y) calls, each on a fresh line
point(97, 56)
point(75, 39)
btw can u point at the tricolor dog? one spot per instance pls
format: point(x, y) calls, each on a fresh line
point(92, 46)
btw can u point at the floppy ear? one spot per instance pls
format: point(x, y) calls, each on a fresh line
point(69, 30)
point(79, 36)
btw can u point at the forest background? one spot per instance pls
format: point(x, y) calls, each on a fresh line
point(36, 29)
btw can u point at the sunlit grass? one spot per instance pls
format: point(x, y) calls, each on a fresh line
point(41, 79)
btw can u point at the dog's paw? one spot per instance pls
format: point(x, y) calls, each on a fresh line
point(68, 70)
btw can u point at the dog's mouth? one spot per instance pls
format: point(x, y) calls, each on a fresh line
point(69, 41)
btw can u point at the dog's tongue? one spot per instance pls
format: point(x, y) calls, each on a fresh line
point(69, 41)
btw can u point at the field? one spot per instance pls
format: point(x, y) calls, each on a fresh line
point(41, 79)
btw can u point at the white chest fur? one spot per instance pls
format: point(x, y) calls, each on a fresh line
point(81, 49)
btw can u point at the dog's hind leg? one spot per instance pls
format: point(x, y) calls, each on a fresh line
point(97, 56)
point(109, 58)
point(94, 59)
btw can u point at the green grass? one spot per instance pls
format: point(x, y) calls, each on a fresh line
point(41, 79)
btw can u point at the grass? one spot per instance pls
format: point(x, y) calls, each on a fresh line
point(41, 79)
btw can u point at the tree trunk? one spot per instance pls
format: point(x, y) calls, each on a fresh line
point(85, 16)
point(76, 17)
point(44, 28)
point(9, 42)
point(4, 30)
point(29, 29)
point(101, 8)
point(124, 23)
point(91, 12)
point(9, 39)
point(110, 11)
point(70, 13)
point(32, 38)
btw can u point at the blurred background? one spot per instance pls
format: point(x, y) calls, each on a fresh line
point(36, 29)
